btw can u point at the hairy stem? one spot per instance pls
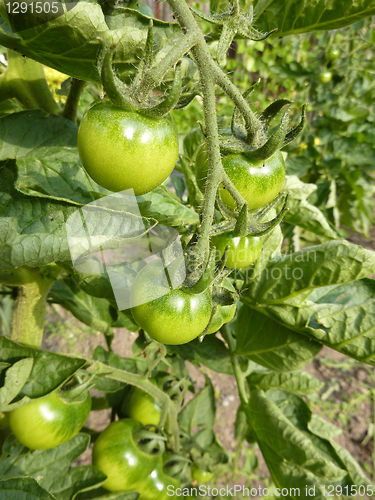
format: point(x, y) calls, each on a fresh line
point(209, 72)
point(154, 77)
point(72, 101)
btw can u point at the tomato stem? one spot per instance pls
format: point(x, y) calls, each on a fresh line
point(72, 101)
point(210, 74)
point(154, 77)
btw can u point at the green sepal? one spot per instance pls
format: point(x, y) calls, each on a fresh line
point(241, 224)
point(271, 111)
point(237, 124)
point(260, 228)
point(290, 136)
point(146, 61)
point(273, 144)
point(170, 102)
point(176, 465)
point(113, 86)
point(186, 99)
point(150, 439)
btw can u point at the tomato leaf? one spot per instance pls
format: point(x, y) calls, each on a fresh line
point(15, 378)
point(75, 480)
point(17, 459)
point(301, 16)
point(211, 353)
point(270, 344)
point(200, 412)
point(279, 421)
point(302, 213)
point(69, 43)
point(161, 205)
point(333, 262)
point(343, 318)
point(137, 365)
point(49, 370)
point(25, 488)
point(297, 382)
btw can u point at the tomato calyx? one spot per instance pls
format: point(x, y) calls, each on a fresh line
point(78, 392)
point(132, 98)
point(150, 439)
point(176, 465)
point(175, 388)
point(255, 144)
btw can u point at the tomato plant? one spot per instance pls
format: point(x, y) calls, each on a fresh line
point(176, 316)
point(259, 182)
point(146, 273)
point(124, 150)
point(49, 421)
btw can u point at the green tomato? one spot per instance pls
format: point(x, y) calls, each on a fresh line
point(242, 250)
point(201, 475)
point(117, 455)
point(125, 150)
point(155, 486)
point(325, 77)
point(49, 421)
point(223, 314)
point(176, 316)
point(332, 54)
point(259, 182)
point(144, 408)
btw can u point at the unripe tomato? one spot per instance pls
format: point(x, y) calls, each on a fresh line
point(242, 250)
point(325, 77)
point(49, 421)
point(117, 455)
point(155, 486)
point(126, 150)
point(259, 182)
point(201, 475)
point(176, 316)
point(332, 54)
point(144, 408)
